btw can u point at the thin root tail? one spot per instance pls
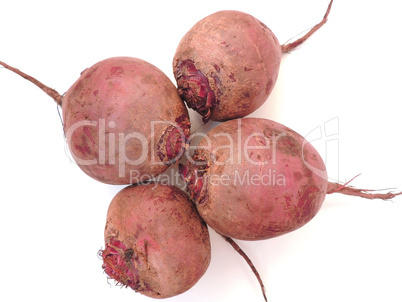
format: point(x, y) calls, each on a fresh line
point(364, 193)
point(49, 91)
point(288, 47)
point(249, 262)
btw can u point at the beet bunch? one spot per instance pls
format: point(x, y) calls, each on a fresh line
point(126, 123)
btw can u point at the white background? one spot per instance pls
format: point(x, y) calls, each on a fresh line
point(52, 216)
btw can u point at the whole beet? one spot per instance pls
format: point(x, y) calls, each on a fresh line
point(227, 64)
point(254, 179)
point(123, 120)
point(156, 243)
point(136, 102)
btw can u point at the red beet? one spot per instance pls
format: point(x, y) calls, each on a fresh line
point(156, 242)
point(254, 179)
point(227, 64)
point(112, 133)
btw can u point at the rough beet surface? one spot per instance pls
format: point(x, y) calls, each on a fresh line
point(123, 120)
point(119, 117)
point(230, 71)
point(254, 179)
point(250, 181)
point(227, 64)
point(156, 242)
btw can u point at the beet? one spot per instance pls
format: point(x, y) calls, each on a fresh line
point(156, 242)
point(254, 179)
point(227, 64)
point(123, 120)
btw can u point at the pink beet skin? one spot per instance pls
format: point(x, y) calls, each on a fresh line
point(124, 121)
point(255, 179)
point(156, 242)
point(226, 65)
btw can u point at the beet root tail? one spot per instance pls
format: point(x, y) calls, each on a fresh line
point(364, 193)
point(49, 91)
point(249, 262)
point(288, 47)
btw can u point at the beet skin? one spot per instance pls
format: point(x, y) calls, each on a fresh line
point(156, 242)
point(123, 120)
point(254, 179)
point(227, 64)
